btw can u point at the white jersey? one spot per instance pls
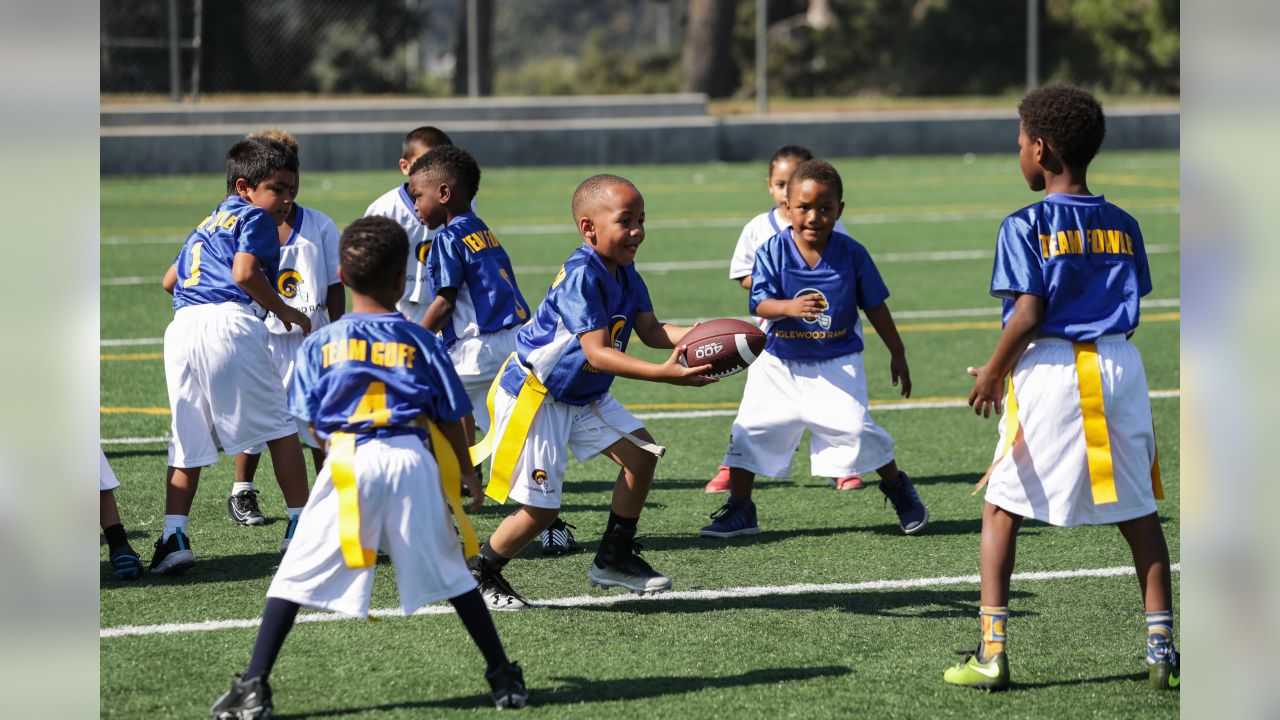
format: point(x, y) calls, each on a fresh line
point(397, 205)
point(754, 233)
point(308, 266)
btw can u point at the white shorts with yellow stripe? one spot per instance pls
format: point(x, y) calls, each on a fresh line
point(477, 360)
point(402, 511)
point(1084, 452)
point(538, 475)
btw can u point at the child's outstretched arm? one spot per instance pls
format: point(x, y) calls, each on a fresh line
point(657, 334)
point(988, 389)
point(602, 356)
point(440, 309)
point(170, 279)
point(882, 321)
point(453, 432)
point(246, 271)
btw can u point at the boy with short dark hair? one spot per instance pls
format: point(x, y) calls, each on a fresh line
point(1077, 444)
point(809, 282)
point(373, 388)
point(553, 396)
point(222, 385)
point(398, 205)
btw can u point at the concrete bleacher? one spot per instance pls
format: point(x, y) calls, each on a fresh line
point(603, 131)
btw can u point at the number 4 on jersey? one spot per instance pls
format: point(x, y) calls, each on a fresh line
point(372, 407)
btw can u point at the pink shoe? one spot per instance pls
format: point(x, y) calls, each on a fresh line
point(719, 483)
point(853, 482)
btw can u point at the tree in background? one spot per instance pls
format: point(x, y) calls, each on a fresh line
point(707, 63)
point(484, 46)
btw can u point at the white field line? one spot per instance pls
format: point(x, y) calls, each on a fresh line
point(589, 600)
point(693, 224)
point(690, 265)
point(993, 311)
point(878, 406)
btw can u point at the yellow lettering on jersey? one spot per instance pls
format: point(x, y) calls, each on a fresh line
point(372, 407)
point(521, 312)
point(230, 222)
point(392, 354)
point(559, 277)
point(1044, 246)
point(1073, 242)
point(338, 351)
point(193, 277)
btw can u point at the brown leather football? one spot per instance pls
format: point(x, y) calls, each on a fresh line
point(727, 345)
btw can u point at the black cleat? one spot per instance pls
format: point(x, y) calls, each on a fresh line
point(618, 563)
point(246, 700)
point(242, 508)
point(557, 540)
point(173, 556)
point(498, 593)
point(507, 683)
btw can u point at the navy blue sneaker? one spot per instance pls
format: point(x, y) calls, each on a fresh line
point(912, 514)
point(125, 563)
point(735, 517)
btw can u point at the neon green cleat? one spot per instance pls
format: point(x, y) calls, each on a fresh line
point(991, 675)
point(1163, 674)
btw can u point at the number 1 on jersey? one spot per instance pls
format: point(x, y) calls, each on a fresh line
point(194, 278)
point(372, 407)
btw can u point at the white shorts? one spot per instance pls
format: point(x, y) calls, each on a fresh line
point(414, 312)
point(1047, 478)
point(284, 354)
point(477, 361)
point(783, 398)
point(538, 477)
point(403, 512)
point(106, 476)
point(222, 384)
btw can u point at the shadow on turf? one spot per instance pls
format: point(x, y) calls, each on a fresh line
point(1130, 677)
point(578, 690)
point(957, 602)
point(114, 454)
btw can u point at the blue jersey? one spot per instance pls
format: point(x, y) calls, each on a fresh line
point(465, 255)
point(845, 278)
point(1083, 255)
point(204, 265)
point(585, 296)
point(374, 375)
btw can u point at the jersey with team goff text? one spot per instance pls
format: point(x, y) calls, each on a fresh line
point(374, 375)
point(204, 264)
point(1080, 253)
point(585, 296)
point(845, 278)
point(466, 256)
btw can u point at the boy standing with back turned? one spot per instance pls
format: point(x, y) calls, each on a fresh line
point(1077, 445)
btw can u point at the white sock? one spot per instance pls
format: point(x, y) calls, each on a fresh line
point(173, 523)
point(237, 488)
point(294, 512)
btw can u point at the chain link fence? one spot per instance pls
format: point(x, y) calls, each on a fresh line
point(157, 49)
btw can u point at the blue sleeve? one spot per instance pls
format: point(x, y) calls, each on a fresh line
point(1140, 258)
point(257, 235)
point(766, 277)
point(445, 399)
point(1017, 266)
point(446, 262)
point(869, 290)
point(303, 403)
point(581, 302)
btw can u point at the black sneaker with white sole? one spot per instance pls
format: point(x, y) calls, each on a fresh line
point(498, 593)
point(242, 508)
point(246, 700)
point(506, 682)
point(557, 540)
point(173, 556)
point(618, 564)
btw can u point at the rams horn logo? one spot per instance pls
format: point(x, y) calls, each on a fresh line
point(422, 250)
point(823, 319)
point(287, 283)
point(539, 476)
point(615, 330)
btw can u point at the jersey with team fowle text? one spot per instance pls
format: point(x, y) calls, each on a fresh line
point(585, 296)
point(466, 256)
point(1080, 253)
point(204, 264)
point(844, 278)
point(375, 375)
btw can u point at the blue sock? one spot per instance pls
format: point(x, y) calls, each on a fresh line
point(1159, 636)
point(277, 621)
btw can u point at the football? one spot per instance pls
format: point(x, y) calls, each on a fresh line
point(727, 345)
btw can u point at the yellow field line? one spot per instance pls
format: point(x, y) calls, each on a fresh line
point(909, 327)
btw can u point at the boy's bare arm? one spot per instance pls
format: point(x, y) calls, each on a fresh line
point(246, 271)
point(657, 334)
point(882, 321)
point(453, 432)
point(988, 389)
point(805, 307)
point(440, 309)
point(745, 282)
point(170, 279)
point(335, 301)
point(602, 356)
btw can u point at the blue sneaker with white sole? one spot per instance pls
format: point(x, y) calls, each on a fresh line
point(912, 514)
point(735, 517)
